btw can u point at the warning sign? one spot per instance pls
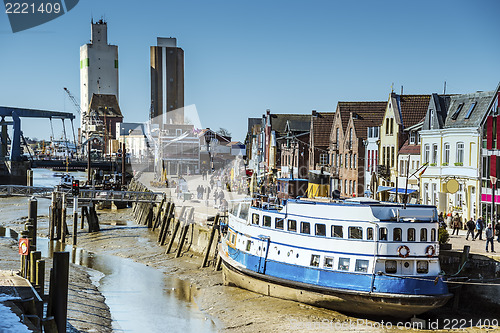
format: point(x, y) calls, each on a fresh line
point(24, 246)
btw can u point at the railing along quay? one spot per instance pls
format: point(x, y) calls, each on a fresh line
point(26, 191)
point(109, 195)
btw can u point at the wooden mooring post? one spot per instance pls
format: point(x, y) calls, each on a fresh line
point(215, 227)
point(60, 290)
point(32, 216)
point(187, 223)
point(168, 217)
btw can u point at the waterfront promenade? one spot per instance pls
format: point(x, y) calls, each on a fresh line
point(476, 247)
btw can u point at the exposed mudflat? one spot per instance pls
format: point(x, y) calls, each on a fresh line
point(231, 309)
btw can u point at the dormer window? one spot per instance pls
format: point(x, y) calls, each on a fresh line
point(432, 119)
point(412, 138)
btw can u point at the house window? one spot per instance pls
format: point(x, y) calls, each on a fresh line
point(375, 135)
point(446, 153)
point(432, 119)
point(460, 153)
point(393, 157)
point(323, 159)
point(178, 132)
point(387, 126)
point(426, 194)
point(346, 189)
point(434, 194)
point(337, 231)
point(354, 162)
point(350, 138)
point(392, 127)
point(337, 137)
point(434, 153)
point(346, 159)
point(354, 187)
point(427, 151)
point(412, 138)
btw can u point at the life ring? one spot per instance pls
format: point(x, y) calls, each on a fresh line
point(406, 251)
point(430, 250)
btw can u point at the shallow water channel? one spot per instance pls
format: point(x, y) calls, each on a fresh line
point(140, 298)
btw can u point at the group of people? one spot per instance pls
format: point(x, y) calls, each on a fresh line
point(474, 229)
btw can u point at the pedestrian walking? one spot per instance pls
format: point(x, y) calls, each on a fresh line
point(471, 226)
point(456, 223)
point(479, 228)
point(449, 220)
point(489, 237)
point(440, 220)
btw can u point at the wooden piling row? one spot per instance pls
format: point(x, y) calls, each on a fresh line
point(171, 230)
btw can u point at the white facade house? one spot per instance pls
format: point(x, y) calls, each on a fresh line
point(98, 68)
point(134, 137)
point(450, 144)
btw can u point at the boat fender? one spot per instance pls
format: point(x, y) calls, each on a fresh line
point(403, 251)
point(430, 251)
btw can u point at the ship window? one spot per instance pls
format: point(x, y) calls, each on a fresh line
point(369, 233)
point(278, 223)
point(337, 231)
point(391, 267)
point(315, 260)
point(292, 225)
point(411, 235)
point(423, 235)
point(320, 230)
point(422, 266)
point(433, 235)
point(266, 222)
point(249, 245)
point(344, 264)
point(396, 235)
point(328, 262)
point(244, 211)
point(382, 234)
point(255, 218)
point(361, 265)
point(355, 232)
point(305, 228)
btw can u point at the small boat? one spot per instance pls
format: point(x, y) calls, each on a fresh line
point(356, 255)
point(66, 180)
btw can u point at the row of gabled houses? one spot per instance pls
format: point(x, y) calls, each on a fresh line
point(438, 149)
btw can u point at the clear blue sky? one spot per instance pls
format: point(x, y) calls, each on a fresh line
point(243, 57)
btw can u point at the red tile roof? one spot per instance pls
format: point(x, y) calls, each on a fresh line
point(408, 149)
point(413, 108)
point(365, 114)
point(321, 128)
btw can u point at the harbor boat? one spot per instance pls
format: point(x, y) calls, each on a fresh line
point(356, 255)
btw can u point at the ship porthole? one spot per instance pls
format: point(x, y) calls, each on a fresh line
point(278, 252)
point(297, 255)
point(406, 264)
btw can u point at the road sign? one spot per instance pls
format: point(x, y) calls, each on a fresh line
point(24, 246)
